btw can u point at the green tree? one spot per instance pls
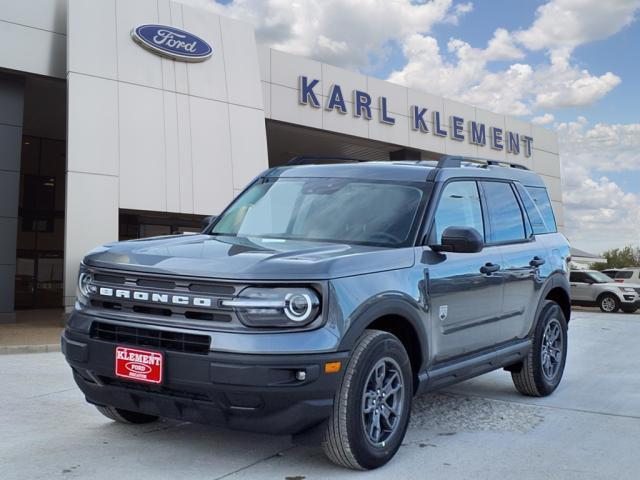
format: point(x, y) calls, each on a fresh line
point(619, 258)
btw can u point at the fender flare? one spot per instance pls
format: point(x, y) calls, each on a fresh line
point(555, 280)
point(396, 306)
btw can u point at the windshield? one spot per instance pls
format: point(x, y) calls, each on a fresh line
point(600, 277)
point(324, 209)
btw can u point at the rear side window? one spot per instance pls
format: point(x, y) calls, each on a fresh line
point(505, 215)
point(459, 207)
point(624, 275)
point(541, 199)
point(533, 213)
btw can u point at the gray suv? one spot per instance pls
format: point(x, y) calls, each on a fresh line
point(324, 298)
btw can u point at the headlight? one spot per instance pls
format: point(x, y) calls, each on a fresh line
point(275, 307)
point(627, 289)
point(85, 285)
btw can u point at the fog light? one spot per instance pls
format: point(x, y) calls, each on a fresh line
point(301, 375)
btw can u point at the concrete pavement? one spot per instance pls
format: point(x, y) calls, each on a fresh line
point(589, 428)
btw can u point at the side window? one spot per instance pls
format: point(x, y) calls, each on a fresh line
point(625, 275)
point(577, 277)
point(459, 207)
point(541, 199)
point(507, 223)
point(533, 212)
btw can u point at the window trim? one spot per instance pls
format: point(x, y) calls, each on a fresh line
point(525, 220)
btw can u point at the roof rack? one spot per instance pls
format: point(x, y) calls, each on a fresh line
point(449, 161)
point(321, 159)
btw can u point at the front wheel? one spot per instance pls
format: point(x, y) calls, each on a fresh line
point(372, 406)
point(608, 303)
point(541, 372)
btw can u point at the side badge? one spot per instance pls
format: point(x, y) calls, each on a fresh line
point(444, 310)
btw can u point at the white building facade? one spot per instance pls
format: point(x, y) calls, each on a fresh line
point(103, 139)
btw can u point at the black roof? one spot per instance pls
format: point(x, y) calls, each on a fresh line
point(408, 170)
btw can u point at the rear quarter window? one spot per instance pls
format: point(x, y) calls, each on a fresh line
point(541, 208)
point(624, 275)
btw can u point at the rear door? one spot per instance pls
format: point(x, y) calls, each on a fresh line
point(523, 258)
point(465, 296)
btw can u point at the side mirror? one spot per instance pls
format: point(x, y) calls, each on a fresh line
point(206, 221)
point(460, 240)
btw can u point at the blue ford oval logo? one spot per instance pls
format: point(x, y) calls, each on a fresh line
point(172, 42)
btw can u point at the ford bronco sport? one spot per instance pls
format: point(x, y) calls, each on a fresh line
point(324, 298)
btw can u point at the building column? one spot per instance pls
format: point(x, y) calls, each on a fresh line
point(11, 108)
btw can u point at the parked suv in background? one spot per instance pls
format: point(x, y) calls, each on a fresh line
point(592, 288)
point(324, 298)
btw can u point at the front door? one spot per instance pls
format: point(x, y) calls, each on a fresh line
point(581, 287)
point(465, 289)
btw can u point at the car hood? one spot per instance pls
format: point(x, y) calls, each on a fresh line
point(229, 257)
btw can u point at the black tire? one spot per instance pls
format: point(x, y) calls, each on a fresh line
point(608, 303)
point(125, 416)
point(346, 441)
point(532, 378)
point(629, 309)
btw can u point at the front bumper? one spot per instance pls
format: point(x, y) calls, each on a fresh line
point(258, 393)
point(630, 300)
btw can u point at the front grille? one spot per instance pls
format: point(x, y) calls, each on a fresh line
point(637, 290)
point(146, 337)
point(164, 289)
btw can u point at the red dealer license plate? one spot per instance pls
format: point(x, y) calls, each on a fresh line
point(140, 365)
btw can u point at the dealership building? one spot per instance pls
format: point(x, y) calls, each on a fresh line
point(128, 118)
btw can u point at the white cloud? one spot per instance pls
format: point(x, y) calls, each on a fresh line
point(347, 33)
point(467, 78)
point(545, 119)
point(603, 147)
point(565, 24)
point(521, 88)
point(566, 86)
point(599, 213)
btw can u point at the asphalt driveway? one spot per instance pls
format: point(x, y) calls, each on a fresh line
point(589, 429)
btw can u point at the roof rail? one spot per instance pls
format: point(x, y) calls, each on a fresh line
point(321, 160)
point(450, 161)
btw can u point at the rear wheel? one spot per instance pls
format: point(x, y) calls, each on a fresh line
point(125, 416)
point(372, 406)
point(608, 303)
point(542, 370)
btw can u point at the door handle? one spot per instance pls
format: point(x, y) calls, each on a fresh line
point(537, 261)
point(488, 268)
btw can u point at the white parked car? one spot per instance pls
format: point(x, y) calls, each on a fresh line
point(591, 288)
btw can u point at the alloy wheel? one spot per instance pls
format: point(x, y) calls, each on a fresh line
point(552, 349)
point(608, 304)
point(382, 401)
